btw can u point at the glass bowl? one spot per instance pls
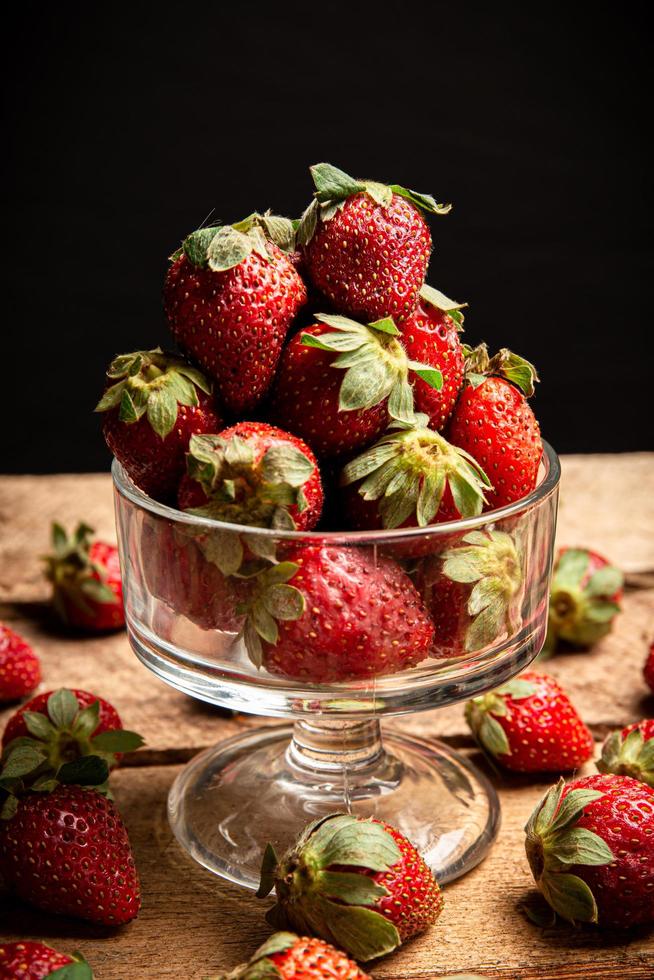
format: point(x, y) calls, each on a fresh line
point(185, 611)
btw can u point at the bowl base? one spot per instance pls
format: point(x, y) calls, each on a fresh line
point(267, 784)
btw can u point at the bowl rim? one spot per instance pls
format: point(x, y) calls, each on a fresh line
point(547, 486)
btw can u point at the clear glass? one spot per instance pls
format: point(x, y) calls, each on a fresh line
point(185, 620)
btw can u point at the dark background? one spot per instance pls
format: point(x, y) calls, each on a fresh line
point(127, 124)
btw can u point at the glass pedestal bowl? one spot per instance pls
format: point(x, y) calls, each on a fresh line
point(185, 619)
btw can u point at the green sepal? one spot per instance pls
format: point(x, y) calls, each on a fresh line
point(631, 756)
point(88, 770)
point(504, 364)
point(224, 247)
point(362, 932)
point(345, 840)
point(481, 714)
point(424, 201)
point(78, 970)
point(442, 303)
point(581, 613)
point(272, 600)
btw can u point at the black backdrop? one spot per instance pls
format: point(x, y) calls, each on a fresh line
point(128, 123)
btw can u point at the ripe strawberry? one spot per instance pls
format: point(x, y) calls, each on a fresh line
point(585, 598)
point(356, 882)
point(85, 574)
point(648, 669)
point(590, 846)
point(27, 960)
point(20, 668)
point(530, 725)
point(473, 592)
point(66, 724)
point(253, 473)
point(366, 245)
point(290, 957)
point(230, 296)
point(154, 403)
point(411, 478)
point(493, 421)
point(339, 381)
point(630, 752)
point(342, 615)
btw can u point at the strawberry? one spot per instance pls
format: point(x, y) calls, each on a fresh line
point(253, 473)
point(66, 724)
point(85, 574)
point(590, 846)
point(231, 295)
point(648, 669)
point(356, 882)
point(27, 960)
point(493, 421)
point(152, 406)
point(530, 725)
point(366, 245)
point(411, 478)
point(289, 957)
point(585, 598)
point(337, 411)
point(630, 752)
point(63, 845)
point(473, 592)
point(342, 616)
point(20, 668)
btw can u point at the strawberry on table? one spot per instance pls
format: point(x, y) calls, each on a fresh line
point(20, 668)
point(290, 957)
point(66, 724)
point(87, 590)
point(366, 245)
point(494, 422)
point(154, 402)
point(590, 845)
point(473, 591)
point(630, 752)
point(27, 960)
point(231, 295)
point(585, 598)
point(330, 614)
point(648, 669)
point(530, 725)
point(252, 473)
point(356, 882)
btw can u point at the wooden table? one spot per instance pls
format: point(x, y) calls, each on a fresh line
point(193, 924)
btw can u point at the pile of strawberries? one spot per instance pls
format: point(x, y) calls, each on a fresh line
point(324, 385)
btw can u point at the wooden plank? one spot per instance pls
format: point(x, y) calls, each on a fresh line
point(193, 924)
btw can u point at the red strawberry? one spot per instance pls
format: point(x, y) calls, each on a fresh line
point(590, 846)
point(85, 574)
point(289, 957)
point(20, 668)
point(67, 851)
point(473, 592)
point(648, 669)
point(67, 724)
point(231, 295)
point(253, 473)
point(630, 752)
point(343, 864)
point(493, 421)
point(366, 245)
point(28, 960)
point(585, 598)
point(411, 478)
point(530, 725)
point(154, 403)
point(342, 615)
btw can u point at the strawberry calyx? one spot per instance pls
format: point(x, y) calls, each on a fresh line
point(555, 844)
point(260, 965)
point(375, 363)
point(505, 364)
point(334, 187)
point(273, 599)
point(223, 247)
point(482, 713)
point(630, 755)
point(491, 563)
point(74, 576)
point(154, 384)
point(242, 490)
point(324, 884)
point(582, 607)
point(408, 471)
point(437, 299)
point(77, 969)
